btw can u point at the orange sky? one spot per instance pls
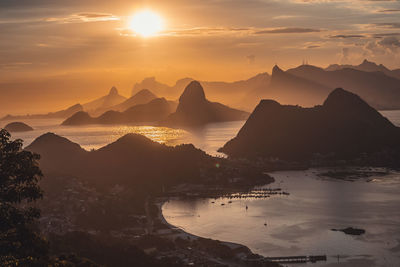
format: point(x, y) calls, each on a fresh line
point(57, 53)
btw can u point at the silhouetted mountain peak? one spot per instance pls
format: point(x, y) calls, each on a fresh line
point(113, 91)
point(308, 68)
point(54, 142)
point(80, 116)
point(266, 103)
point(18, 127)
point(276, 70)
point(368, 63)
point(128, 142)
point(340, 98)
point(193, 93)
point(144, 94)
point(344, 127)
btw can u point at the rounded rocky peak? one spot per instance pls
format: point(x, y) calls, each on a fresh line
point(53, 142)
point(193, 92)
point(340, 98)
point(79, 117)
point(18, 127)
point(113, 91)
point(130, 142)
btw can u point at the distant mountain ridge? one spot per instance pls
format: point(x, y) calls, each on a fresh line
point(345, 126)
point(103, 103)
point(378, 89)
point(378, 85)
point(62, 114)
point(144, 96)
point(152, 112)
point(216, 91)
point(367, 66)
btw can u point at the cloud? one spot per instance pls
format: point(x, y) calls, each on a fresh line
point(313, 46)
point(382, 35)
point(345, 36)
point(345, 54)
point(287, 30)
point(388, 10)
point(251, 59)
point(387, 45)
point(83, 17)
point(206, 31)
point(391, 25)
point(391, 43)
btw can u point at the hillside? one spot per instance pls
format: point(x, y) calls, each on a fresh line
point(345, 126)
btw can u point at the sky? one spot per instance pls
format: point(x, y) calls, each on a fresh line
point(56, 53)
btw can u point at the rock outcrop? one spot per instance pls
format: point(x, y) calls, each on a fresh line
point(195, 110)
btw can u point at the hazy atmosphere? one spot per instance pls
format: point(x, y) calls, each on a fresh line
point(56, 53)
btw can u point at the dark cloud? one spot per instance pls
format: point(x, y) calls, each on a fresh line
point(313, 46)
point(345, 36)
point(391, 25)
point(387, 45)
point(287, 30)
point(382, 35)
point(388, 10)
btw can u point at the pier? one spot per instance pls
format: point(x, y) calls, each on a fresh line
point(297, 259)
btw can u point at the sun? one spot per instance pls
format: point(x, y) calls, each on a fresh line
point(146, 23)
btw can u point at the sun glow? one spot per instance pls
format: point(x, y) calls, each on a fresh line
point(146, 23)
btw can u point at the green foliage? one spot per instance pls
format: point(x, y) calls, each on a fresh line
point(20, 244)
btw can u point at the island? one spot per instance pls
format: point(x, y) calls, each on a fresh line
point(18, 127)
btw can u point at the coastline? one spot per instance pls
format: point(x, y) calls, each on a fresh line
point(240, 255)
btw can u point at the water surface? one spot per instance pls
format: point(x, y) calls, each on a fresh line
point(301, 223)
point(210, 138)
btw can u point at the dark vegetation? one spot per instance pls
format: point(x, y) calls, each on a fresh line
point(20, 241)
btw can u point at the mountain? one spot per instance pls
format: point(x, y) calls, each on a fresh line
point(290, 89)
point(132, 160)
point(144, 96)
point(62, 114)
point(156, 110)
point(368, 67)
point(98, 105)
point(378, 89)
point(195, 110)
point(345, 126)
point(18, 127)
point(58, 154)
point(230, 93)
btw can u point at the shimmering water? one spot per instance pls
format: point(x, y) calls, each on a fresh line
point(209, 139)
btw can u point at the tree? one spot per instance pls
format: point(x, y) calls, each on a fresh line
point(20, 243)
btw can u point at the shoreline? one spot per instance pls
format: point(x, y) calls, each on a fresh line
point(242, 255)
